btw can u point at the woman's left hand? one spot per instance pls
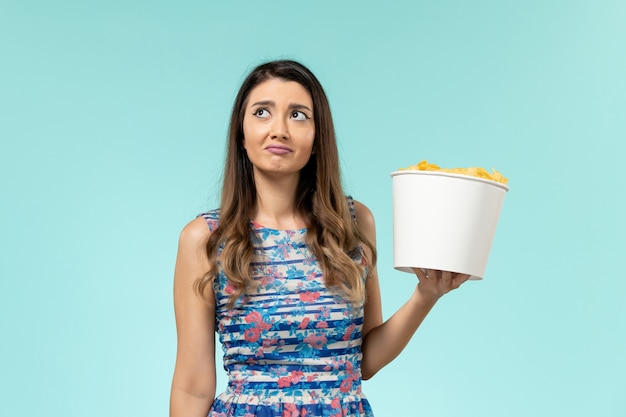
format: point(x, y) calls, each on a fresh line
point(436, 283)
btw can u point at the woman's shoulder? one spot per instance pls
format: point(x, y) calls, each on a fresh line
point(363, 215)
point(199, 229)
point(211, 218)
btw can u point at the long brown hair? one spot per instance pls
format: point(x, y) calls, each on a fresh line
point(332, 234)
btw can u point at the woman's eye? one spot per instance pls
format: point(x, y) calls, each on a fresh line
point(298, 115)
point(262, 113)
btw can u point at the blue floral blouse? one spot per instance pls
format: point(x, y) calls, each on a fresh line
point(291, 347)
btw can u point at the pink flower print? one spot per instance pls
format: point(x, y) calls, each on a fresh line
point(253, 317)
point(296, 376)
point(263, 325)
point(304, 323)
point(321, 325)
point(252, 334)
point(309, 296)
point(280, 370)
point(335, 404)
point(291, 410)
point(348, 332)
point(269, 342)
point(345, 385)
point(284, 249)
point(239, 387)
point(230, 288)
point(316, 341)
point(311, 378)
point(284, 382)
point(335, 363)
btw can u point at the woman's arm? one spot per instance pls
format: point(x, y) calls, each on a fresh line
point(383, 341)
point(193, 384)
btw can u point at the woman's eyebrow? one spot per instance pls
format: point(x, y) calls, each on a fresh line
point(296, 106)
point(263, 103)
point(293, 106)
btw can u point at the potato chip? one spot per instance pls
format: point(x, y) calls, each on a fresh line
point(472, 172)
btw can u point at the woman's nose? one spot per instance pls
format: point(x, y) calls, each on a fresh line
point(279, 129)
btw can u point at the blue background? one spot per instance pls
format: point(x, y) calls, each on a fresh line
point(113, 119)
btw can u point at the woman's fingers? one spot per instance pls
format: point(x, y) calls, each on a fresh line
point(421, 274)
point(439, 282)
point(446, 278)
point(459, 279)
point(432, 274)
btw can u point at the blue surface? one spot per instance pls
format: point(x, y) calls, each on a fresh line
point(113, 118)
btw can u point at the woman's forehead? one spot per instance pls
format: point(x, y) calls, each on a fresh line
point(277, 89)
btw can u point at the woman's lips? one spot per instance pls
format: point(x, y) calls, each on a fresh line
point(278, 150)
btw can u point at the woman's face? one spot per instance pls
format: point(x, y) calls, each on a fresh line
point(278, 127)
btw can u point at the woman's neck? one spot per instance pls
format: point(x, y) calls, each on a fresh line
point(276, 204)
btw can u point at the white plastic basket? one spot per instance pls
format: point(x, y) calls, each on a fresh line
point(444, 221)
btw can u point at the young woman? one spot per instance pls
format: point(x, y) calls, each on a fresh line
point(285, 270)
